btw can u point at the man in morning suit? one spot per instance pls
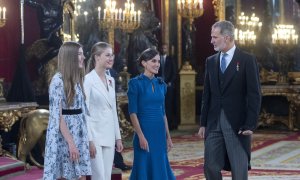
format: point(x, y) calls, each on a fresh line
point(167, 72)
point(230, 106)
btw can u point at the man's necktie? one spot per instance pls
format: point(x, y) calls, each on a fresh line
point(223, 63)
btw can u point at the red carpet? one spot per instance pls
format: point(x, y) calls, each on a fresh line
point(36, 174)
point(10, 166)
point(33, 174)
point(275, 155)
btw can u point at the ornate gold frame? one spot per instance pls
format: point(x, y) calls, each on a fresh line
point(68, 11)
point(219, 7)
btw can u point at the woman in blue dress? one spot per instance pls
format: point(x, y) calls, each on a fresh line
point(152, 140)
point(67, 148)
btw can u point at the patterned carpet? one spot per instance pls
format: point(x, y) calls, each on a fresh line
point(275, 155)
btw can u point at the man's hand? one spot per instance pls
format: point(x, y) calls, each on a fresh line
point(201, 132)
point(245, 132)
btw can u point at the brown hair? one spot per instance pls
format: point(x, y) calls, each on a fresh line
point(97, 49)
point(68, 66)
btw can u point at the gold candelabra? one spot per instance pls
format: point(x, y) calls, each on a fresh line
point(284, 35)
point(190, 9)
point(247, 28)
point(2, 16)
point(131, 19)
point(113, 18)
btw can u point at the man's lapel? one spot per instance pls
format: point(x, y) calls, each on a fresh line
point(215, 71)
point(231, 69)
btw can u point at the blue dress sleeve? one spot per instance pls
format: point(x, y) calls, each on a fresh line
point(132, 94)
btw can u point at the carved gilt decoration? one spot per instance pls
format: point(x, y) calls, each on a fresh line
point(10, 113)
point(125, 126)
point(219, 7)
point(293, 97)
point(8, 118)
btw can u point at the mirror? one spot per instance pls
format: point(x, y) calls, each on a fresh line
point(266, 48)
point(68, 31)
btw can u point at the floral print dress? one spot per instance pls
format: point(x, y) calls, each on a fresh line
point(57, 163)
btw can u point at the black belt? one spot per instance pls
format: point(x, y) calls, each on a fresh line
point(71, 111)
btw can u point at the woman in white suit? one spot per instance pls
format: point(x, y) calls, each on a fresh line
point(103, 126)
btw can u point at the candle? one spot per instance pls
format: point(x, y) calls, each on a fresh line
point(0, 12)
point(113, 4)
point(120, 14)
point(116, 14)
point(139, 15)
point(99, 12)
point(107, 4)
point(4, 11)
point(131, 15)
point(134, 16)
point(104, 14)
point(179, 5)
point(124, 14)
point(85, 15)
point(190, 4)
point(132, 7)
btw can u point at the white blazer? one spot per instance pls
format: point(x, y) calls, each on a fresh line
point(102, 121)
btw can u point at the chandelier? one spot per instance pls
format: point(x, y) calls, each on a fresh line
point(131, 19)
point(284, 35)
point(2, 15)
point(112, 18)
point(190, 9)
point(247, 28)
point(110, 15)
point(127, 19)
point(284, 39)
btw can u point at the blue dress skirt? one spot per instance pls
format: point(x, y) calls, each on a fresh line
point(146, 99)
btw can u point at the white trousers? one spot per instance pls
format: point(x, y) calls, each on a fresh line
point(102, 163)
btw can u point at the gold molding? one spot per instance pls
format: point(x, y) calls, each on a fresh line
point(219, 7)
point(68, 10)
point(179, 40)
point(2, 99)
point(238, 7)
point(187, 97)
point(166, 21)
